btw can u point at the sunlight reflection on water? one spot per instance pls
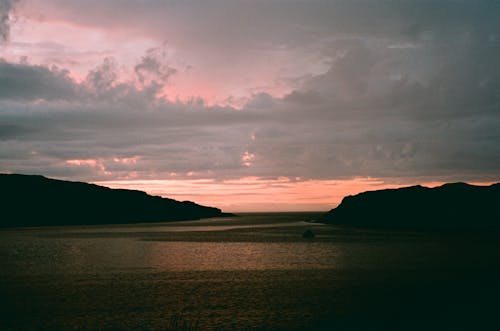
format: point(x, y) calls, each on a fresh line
point(104, 255)
point(123, 248)
point(183, 228)
point(182, 256)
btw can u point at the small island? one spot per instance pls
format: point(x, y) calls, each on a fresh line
point(455, 206)
point(31, 200)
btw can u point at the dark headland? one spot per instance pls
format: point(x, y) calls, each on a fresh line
point(30, 200)
point(455, 206)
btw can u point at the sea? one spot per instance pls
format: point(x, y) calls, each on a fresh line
point(251, 271)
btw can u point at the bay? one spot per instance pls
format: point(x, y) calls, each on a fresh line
point(250, 272)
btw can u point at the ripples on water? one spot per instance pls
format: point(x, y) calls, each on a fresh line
point(177, 246)
point(249, 272)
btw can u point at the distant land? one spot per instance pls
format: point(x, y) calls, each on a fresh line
point(31, 200)
point(458, 206)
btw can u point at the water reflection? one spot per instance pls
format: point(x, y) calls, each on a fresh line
point(180, 227)
point(204, 256)
point(110, 255)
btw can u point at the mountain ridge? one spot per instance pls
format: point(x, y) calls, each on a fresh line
point(35, 200)
point(449, 206)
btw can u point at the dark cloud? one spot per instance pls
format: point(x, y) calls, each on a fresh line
point(260, 101)
point(103, 78)
point(31, 82)
point(6, 8)
point(286, 140)
point(153, 68)
point(290, 23)
point(25, 82)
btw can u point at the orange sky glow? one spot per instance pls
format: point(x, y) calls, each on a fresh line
point(258, 195)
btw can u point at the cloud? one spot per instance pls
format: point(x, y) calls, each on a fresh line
point(404, 90)
point(31, 82)
point(289, 23)
point(103, 78)
point(153, 68)
point(260, 100)
point(21, 81)
point(6, 8)
point(261, 46)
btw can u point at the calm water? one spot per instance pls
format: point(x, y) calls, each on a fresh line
point(249, 272)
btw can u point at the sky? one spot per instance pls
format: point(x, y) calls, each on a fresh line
point(262, 105)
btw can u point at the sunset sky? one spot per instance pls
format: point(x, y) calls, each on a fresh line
point(251, 105)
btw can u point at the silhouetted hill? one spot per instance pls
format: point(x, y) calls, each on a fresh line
point(450, 206)
point(39, 201)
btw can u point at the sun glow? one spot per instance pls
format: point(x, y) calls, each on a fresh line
point(255, 194)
